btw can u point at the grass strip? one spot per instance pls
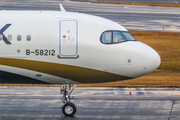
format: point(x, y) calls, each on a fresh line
point(137, 3)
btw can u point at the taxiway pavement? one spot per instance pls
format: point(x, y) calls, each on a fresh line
point(143, 1)
point(130, 16)
point(92, 103)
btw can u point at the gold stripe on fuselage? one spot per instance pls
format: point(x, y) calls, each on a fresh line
point(78, 74)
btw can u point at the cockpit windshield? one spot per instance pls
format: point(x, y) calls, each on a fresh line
point(128, 36)
point(106, 38)
point(118, 37)
point(110, 37)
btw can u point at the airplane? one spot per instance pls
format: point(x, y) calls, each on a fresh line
point(69, 48)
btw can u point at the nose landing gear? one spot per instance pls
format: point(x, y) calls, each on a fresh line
point(69, 109)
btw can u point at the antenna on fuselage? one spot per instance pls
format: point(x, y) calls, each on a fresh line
point(62, 8)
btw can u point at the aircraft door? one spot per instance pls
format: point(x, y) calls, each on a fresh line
point(68, 39)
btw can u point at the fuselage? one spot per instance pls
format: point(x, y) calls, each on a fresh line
point(52, 47)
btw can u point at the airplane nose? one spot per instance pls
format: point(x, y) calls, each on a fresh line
point(152, 60)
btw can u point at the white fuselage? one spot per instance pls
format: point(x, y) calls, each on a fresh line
point(63, 47)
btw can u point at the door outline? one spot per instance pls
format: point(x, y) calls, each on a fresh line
point(68, 56)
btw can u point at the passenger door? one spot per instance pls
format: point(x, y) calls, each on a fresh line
point(68, 38)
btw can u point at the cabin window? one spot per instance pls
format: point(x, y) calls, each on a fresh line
point(1, 37)
point(118, 37)
point(106, 38)
point(9, 37)
point(38, 38)
point(128, 36)
point(47, 38)
point(19, 37)
point(28, 38)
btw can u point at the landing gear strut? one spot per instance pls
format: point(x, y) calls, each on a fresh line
point(69, 109)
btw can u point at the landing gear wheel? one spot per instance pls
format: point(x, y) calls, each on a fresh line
point(69, 109)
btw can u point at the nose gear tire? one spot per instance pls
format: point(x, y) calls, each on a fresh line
point(69, 109)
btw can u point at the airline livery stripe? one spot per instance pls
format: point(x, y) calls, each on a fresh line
point(78, 74)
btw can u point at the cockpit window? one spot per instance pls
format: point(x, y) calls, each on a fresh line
point(128, 36)
point(115, 36)
point(118, 37)
point(106, 38)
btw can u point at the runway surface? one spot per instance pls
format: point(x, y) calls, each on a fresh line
point(92, 103)
point(130, 16)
